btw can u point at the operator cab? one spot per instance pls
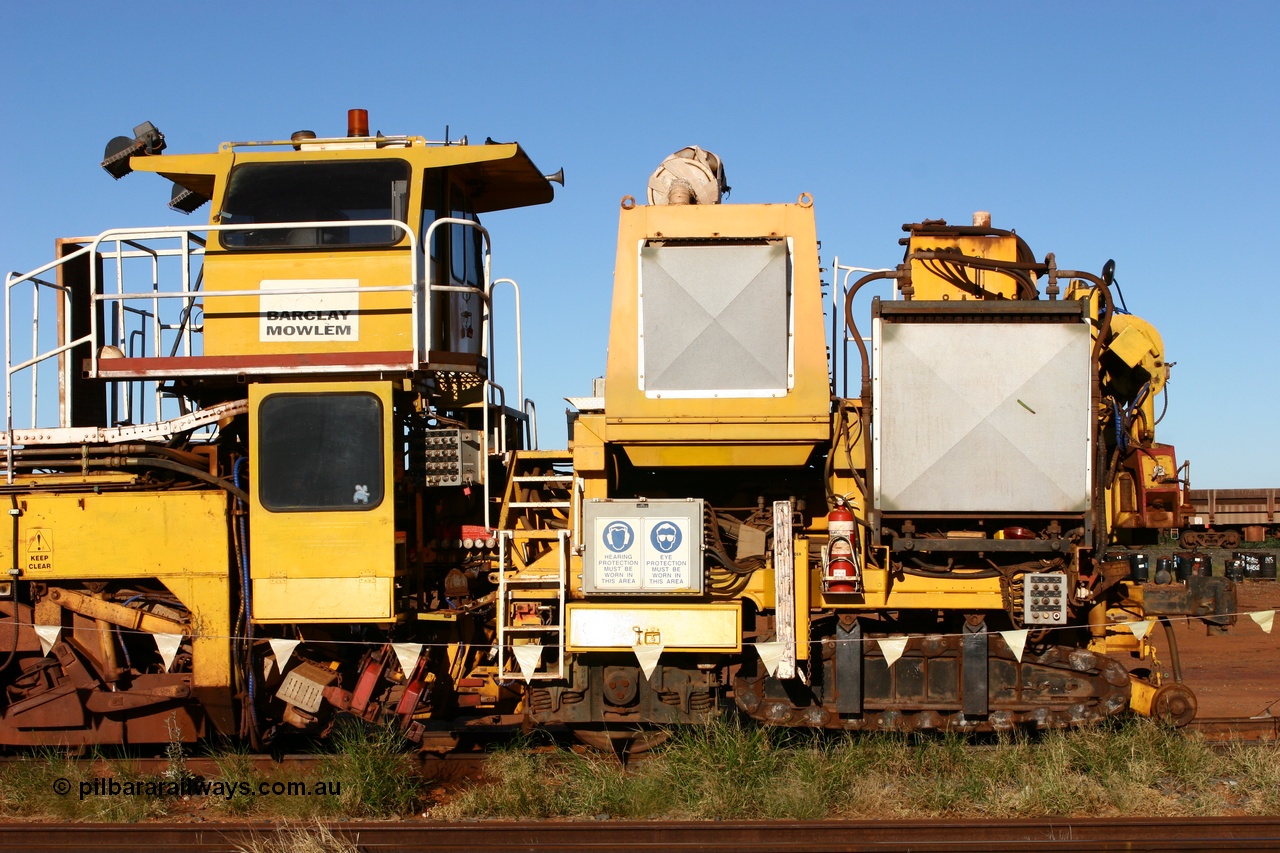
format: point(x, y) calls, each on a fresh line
point(365, 251)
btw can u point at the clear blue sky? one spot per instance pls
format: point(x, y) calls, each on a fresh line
point(1144, 132)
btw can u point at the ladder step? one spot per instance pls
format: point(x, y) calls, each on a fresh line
point(531, 478)
point(539, 505)
point(530, 629)
point(519, 535)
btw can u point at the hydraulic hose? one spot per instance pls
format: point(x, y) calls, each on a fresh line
point(1175, 660)
point(245, 588)
point(1017, 270)
point(901, 272)
point(132, 462)
point(941, 229)
point(15, 513)
point(1108, 306)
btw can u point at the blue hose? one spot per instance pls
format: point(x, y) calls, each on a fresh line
point(1122, 440)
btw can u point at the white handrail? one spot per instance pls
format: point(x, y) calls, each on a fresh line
point(519, 337)
point(531, 421)
point(131, 235)
point(120, 245)
point(431, 286)
point(129, 244)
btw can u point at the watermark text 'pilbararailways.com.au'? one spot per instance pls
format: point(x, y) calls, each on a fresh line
point(111, 787)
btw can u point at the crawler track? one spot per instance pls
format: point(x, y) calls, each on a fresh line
point(1232, 833)
point(1058, 688)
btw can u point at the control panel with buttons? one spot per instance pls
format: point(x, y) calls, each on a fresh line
point(1044, 599)
point(451, 457)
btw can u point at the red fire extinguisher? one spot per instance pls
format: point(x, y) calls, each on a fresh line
point(842, 565)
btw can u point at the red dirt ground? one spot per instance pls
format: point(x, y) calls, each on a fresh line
point(1236, 674)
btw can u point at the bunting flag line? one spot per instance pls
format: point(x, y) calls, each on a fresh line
point(283, 649)
point(267, 663)
point(1140, 629)
point(1016, 641)
point(407, 654)
point(770, 653)
point(892, 648)
point(648, 657)
point(48, 635)
point(167, 645)
point(528, 656)
point(1264, 618)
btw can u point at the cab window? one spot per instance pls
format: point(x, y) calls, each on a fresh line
point(341, 192)
point(466, 243)
point(320, 452)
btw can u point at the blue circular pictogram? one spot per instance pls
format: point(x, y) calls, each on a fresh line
point(618, 536)
point(666, 536)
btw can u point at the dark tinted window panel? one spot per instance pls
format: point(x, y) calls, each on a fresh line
point(320, 452)
point(320, 191)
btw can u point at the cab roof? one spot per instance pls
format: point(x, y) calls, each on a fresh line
point(497, 176)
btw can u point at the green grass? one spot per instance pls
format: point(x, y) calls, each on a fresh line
point(369, 774)
point(49, 785)
point(1136, 768)
point(723, 771)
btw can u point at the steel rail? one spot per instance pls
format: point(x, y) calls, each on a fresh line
point(1231, 729)
point(1038, 834)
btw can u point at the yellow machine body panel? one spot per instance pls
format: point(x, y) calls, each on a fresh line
point(323, 543)
point(716, 337)
point(178, 538)
point(928, 276)
point(333, 318)
point(121, 535)
point(672, 627)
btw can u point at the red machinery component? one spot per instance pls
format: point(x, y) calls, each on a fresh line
point(842, 573)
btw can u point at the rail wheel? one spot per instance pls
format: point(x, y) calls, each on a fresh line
point(1174, 704)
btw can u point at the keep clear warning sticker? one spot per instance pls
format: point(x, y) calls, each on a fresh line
point(315, 316)
point(618, 557)
point(39, 550)
point(666, 559)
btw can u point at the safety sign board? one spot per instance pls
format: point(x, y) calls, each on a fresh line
point(39, 549)
point(643, 547)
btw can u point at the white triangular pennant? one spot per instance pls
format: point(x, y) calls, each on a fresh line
point(167, 644)
point(1264, 619)
point(528, 656)
point(48, 635)
point(407, 654)
point(648, 657)
point(1140, 629)
point(267, 663)
point(892, 649)
point(770, 654)
point(283, 649)
point(1016, 641)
